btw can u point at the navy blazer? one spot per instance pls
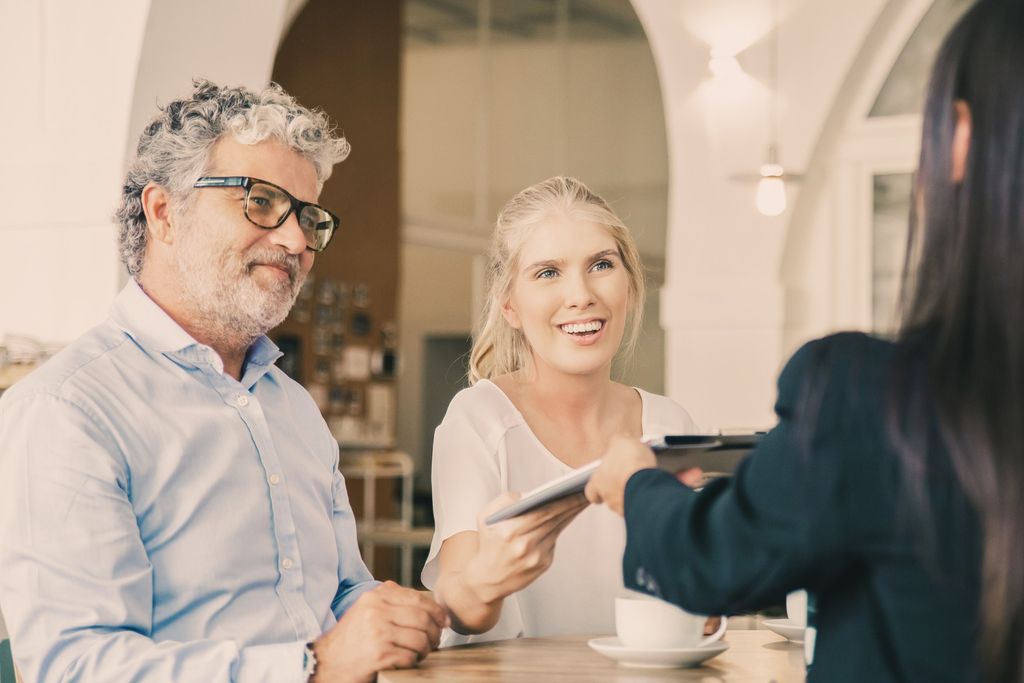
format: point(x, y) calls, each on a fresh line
point(822, 504)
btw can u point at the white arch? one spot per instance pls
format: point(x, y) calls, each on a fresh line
point(69, 76)
point(723, 304)
point(88, 76)
point(232, 42)
point(826, 261)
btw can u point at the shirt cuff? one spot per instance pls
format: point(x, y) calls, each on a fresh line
point(276, 663)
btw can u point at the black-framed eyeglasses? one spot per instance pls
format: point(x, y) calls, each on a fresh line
point(268, 206)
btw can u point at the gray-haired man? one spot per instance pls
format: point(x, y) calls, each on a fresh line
point(170, 503)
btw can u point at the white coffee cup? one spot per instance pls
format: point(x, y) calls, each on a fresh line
point(649, 623)
point(796, 608)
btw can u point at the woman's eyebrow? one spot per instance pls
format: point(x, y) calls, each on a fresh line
point(549, 263)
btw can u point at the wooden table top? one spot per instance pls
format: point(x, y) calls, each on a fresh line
point(754, 656)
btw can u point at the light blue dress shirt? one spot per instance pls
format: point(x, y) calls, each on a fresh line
point(161, 521)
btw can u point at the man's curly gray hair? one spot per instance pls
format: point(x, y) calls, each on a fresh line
point(174, 149)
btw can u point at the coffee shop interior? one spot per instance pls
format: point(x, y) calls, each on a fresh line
point(761, 151)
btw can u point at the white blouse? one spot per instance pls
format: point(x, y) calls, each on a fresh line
point(483, 448)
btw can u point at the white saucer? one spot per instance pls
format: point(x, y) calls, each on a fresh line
point(657, 658)
point(786, 628)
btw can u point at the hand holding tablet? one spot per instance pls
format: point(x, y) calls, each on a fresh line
point(556, 489)
point(575, 481)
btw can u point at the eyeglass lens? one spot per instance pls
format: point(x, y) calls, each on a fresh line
point(267, 207)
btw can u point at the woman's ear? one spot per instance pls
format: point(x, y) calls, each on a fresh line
point(961, 140)
point(156, 206)
point(509, 312)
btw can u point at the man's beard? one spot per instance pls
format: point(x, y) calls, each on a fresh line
point(229, 305)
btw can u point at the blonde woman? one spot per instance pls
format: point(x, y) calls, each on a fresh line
point(566, 295)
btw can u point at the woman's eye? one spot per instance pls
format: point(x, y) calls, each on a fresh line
point(547, 274)
point(602, 265)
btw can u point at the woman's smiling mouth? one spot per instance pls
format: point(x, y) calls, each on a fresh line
point(582, 329)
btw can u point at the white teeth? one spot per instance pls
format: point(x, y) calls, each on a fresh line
point(579, 328)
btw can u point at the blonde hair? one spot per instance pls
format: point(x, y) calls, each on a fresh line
point(499, 348)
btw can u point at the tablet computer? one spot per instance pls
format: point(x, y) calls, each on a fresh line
point(709, 442)
point(575, 481)
point(569, 484)
point(718, 453)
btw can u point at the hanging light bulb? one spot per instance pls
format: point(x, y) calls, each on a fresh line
point(771, 188)
point(770, 197)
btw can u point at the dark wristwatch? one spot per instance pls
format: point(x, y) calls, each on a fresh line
point(308, 661)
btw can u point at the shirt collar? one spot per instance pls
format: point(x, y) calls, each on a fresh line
point(261, 357)
point(143, 320)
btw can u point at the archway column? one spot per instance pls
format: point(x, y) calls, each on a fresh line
point(723, 301)
point(68, 80)
point(85, 77)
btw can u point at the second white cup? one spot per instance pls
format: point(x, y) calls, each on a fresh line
point(646, 622)
point(796, 608)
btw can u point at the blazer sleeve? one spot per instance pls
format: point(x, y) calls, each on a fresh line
point(743, 542)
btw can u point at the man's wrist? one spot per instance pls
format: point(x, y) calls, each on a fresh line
point(309, 662)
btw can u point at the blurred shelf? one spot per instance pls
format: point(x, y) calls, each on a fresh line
point(372, 466)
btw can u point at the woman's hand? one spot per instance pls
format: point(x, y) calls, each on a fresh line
point(692, 477)
point(624, 457)
point(513, 553)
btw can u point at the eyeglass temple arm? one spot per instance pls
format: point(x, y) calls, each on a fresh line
point(230, 181)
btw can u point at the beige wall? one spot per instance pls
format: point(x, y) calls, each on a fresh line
point(591, 109)
point(599, 117)
point(435, 298)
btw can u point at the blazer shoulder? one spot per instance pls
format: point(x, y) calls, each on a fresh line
point(839, 381)
point(845, 357)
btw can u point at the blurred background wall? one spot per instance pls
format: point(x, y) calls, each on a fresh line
point(664, 107)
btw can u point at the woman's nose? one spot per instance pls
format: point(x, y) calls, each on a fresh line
point(579, 293)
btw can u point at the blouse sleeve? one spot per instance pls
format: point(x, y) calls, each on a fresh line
point(743, 542)
point(668, 417)
point(466, 474)
point(464, 477)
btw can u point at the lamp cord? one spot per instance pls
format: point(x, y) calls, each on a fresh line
point(773, 146)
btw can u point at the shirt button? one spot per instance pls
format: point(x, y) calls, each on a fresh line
point(241, 401)
point(274, 480)
point(286, 563)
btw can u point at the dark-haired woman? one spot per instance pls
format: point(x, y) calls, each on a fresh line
point(892, 488)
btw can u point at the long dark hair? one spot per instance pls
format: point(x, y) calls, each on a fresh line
point(962, 302)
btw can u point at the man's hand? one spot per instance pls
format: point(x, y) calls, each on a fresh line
point(624, 457)
point(389, 627)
